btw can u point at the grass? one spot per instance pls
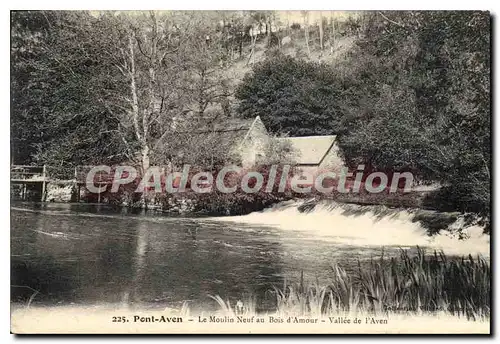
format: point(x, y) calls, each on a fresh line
point(405, 284)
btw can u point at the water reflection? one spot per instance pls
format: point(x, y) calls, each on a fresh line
point(139, 264)
point(74, 254)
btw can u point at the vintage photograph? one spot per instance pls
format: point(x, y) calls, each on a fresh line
point(244, 172)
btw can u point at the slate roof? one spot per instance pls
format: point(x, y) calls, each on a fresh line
point(310, 150)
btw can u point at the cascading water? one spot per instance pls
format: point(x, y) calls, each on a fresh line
point(358, 225)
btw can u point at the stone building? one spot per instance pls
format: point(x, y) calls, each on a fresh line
point(243, 141)
point(310, 153)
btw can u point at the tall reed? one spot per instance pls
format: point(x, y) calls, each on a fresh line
point(419, 283)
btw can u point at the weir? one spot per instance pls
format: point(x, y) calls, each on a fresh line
point(371, 225)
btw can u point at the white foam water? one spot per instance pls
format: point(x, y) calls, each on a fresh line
point(368, 226)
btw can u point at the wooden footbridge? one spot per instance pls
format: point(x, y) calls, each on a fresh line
point(38, 177)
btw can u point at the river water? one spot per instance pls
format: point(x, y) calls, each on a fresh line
point(95, 254)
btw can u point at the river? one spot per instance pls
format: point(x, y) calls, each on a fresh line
point(78, 254)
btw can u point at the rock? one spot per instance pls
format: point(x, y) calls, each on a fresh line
point(59, 193)
point(307, 206)
point(286, 40)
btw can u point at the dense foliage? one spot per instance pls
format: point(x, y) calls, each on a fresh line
point(423, 104)
point(292, 96)
point(92, 88)
point(57, 81)
point(412, 95)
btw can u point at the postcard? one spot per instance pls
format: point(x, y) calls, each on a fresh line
point(222, 172)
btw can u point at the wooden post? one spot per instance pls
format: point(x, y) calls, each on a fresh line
point(99, 194)
point(332, 36)
point(321, 30)
point(77, 186)
point(44, 174)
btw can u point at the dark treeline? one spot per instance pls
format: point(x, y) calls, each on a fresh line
point(411, 94)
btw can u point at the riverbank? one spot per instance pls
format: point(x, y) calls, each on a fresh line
point(348, 223)
point(217, 204)
point(421, 204)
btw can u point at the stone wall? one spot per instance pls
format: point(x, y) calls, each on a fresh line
point(60, 192)
point(179, 205)
point(254, 143)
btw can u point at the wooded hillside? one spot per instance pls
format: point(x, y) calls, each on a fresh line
point(403, 91)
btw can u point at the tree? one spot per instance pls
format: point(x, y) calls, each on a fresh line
point(320, 24)
point(55, 115)
point(111, 86)
point(419, 101)
point(27, 31)
point(291, 96)
point(147, 51)
point(278, 151)
point(332, 33)
point(206, 82)
point(305, 16)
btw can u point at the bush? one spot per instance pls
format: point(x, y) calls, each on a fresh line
point(291, 96)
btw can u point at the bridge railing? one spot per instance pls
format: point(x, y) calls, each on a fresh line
point(69, 173)
point(26, 172)
point(78, 174)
